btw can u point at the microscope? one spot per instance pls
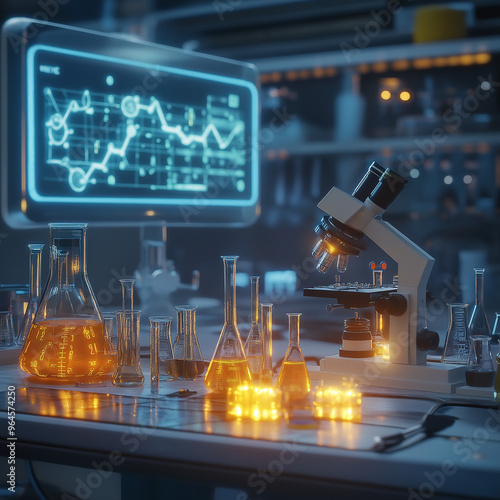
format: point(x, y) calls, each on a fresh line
point(341, 232)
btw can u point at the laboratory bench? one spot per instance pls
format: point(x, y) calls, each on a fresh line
point(111, 442)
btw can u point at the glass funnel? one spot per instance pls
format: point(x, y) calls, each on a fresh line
point(66, 340)
point(229, 366)
point(456, 346)
point(253, 344)
point(35, 260)
point(480, 371)
point(478, 322)
point(294, 377)
point(187, 353)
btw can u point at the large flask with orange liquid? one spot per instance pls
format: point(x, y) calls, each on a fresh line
point(66, 339)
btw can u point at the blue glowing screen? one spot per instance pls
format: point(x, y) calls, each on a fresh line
point(107, 130)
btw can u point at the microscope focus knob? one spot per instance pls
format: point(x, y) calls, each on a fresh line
point(427, 340)
point(395, 304)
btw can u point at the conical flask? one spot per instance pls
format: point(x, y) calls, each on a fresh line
point(187, 353)
point(478, 322)
point(456, 347)
point(35, 260)
point(66, 340)
point(253, 344)
point(294, 377)
point(229, 366)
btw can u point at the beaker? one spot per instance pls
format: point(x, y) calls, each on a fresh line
point(229, 366)
point(266, 313)
point(187, 353)
point(456, 346)
point(35, 260)
point(253, 343)
point(66, 339)
point(161, 352)
point(108, 328)
point(294, 377)
point(478, 321)
point(480, 371)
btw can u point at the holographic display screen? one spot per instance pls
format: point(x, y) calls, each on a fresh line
point(113, 131)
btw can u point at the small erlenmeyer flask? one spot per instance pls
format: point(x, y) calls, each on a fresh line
point(229, 366)
point(253, 344)
point(187, 353)
point(35, 260)
point(66, 339)
point(266, 313)
point(456, 346)
point(294, 377)
point(480, 371)
point(478, 321)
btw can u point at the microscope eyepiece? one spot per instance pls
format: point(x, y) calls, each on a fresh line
point(387, 189)
point(369, 181)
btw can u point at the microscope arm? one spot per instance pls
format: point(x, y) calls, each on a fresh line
point(414, 267)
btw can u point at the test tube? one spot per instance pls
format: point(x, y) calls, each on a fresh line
point(266, 314)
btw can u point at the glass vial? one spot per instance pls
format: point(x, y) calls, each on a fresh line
point(478, 322)
point(66, 339)
point(456, 346)
point(253, 344)
point(294, 377)
point(229, 366)
point(266, 313)
point(187, 353)
point(480, 371)
point(35, 261)
point(161, 352)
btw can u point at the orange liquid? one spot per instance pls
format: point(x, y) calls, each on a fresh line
point(294, 377)
point(66, 349)
point(225, 373)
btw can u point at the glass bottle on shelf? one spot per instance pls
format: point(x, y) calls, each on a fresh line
point(35, 260)
point(187, 353)
point(229, 366)
point(480, 371)
point(456, 347)
point(478, 321)
point(66, 339)
point(294, 377)
point(253, 344)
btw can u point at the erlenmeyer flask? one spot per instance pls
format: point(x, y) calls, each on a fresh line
point(229, 366)
point(293, 376)
point(187, 353)
point(478, 322)
point(253, 344)
point(66, 339)
point(35, 260)
point(480, 371)
point(456, 347)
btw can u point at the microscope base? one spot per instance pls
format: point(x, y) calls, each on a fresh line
point(432, 377)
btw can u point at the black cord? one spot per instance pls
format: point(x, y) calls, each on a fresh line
point(34, 481)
